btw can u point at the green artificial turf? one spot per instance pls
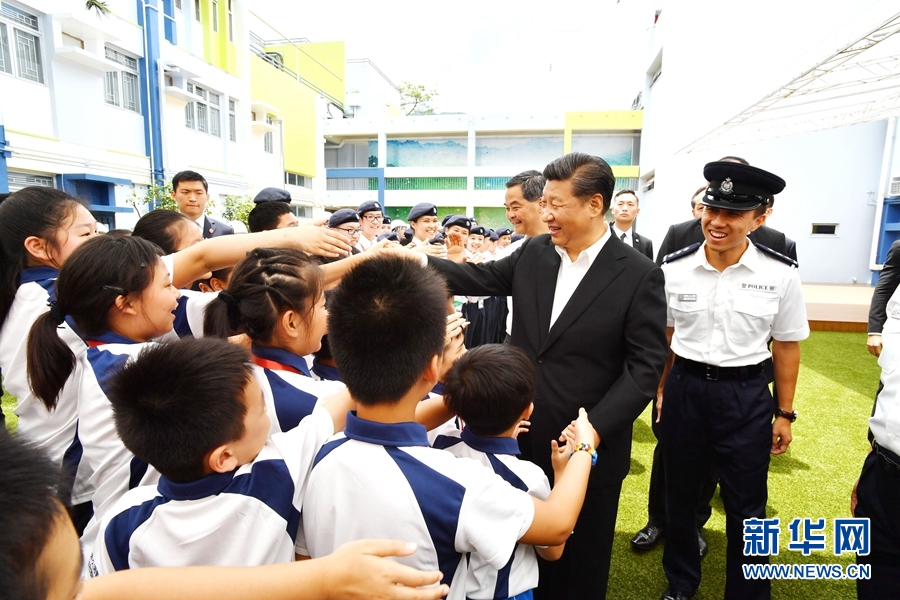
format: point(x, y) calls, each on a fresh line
point(835, 392)
point(9, 403)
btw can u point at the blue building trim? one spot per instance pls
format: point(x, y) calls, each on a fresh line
point(359, 173)
point(4, 154)
point(99, 178)
point(149, 21)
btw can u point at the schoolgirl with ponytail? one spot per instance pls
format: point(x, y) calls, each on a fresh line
point(276, 297)
point(39, 230)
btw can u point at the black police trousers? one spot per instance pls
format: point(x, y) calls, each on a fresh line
point(878, 495)
point(730, 423)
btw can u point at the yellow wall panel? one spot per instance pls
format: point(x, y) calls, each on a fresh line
point(296, 104)
point(320, 64)
point(626, 171)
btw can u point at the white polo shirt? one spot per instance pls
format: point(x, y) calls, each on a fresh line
point(289, 390)
point(246, 517)
point(499, 454)
point(885, 422)
point(726, 319)
point(378, 480)
point(55, 432)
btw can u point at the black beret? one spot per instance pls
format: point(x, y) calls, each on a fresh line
point(477, 230)
point(517, 236)
point(386, 220)
point(344, 215)
point(458, 220)
point(437, 240)
point(388, 236)
point(504, 231)
point(734, 186)
point(271, 194)
point(423, 209)
point(370, 206)
point(494, 236)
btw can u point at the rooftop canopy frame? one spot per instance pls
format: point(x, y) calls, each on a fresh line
point(857, 84)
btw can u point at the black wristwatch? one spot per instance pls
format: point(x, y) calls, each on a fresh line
point(790, 416)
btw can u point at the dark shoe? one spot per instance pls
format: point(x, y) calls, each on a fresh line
point(671, 594)
point(704, 545)
point(647, 538)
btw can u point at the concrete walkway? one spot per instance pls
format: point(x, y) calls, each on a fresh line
point(837, 302)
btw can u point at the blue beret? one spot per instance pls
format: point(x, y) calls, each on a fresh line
point(423, 209)
point(504, 231)
point(494, 236)
point(388, 236)
point(344, 215)
point(271, 194)
point(370, 206)
point(459, 220)
point(477, 230)
point(734, 186)
point(437, 240)
point(517, 236)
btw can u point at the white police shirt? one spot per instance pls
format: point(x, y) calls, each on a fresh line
point(885, 422)
point(56, 431)
point(726, 319)
point(246, 517)
point(520, 574)
point(378, 480)
point(115, 470)
point(289, 390)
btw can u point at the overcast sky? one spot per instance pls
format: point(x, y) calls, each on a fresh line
point(489, 56)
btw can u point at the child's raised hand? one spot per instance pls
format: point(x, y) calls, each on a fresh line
point(559, 457)
point(522, 427)
point(584, 431)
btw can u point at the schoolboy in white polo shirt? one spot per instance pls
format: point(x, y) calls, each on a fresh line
point(382, 476)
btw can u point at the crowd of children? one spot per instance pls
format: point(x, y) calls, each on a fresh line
point(188, 429)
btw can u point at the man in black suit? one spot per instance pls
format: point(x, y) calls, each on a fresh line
point(888, 280)
point(191, 193)
point(625, 208)
point(590, 314)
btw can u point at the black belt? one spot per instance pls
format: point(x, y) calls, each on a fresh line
point(714, 373)
point(887, 459)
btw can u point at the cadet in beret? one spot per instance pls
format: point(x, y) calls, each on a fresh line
point(268, 215)
point(398, 226)
point(476, 239)
point(424, 223)
point(371, 221)
point(504, 238)
point(726, 298)
point(460, 224)
point(346, 220)
point(272, 194)
point(385, 225)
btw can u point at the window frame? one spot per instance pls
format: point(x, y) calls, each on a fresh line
point(132, 70)
point(20, 26)
point(204, 115)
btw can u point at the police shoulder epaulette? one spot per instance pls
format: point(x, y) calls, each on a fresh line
point(682, 253)
point(776, 255)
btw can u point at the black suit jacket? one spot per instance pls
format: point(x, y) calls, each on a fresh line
point(214, 228)
point(684, 234)
point(605, 351)
point(642, 244)
point(888, 280)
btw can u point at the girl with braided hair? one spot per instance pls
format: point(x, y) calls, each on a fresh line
point(276, 298)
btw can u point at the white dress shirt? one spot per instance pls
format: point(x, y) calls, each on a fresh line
point(364, 243)
point(571, 273)
point(629, 239)
point(726, 319)
point(885, 422)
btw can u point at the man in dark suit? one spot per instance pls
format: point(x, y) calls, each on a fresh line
point(590, 314)
point(191, 193)
point(888, 280)
point(625, 209)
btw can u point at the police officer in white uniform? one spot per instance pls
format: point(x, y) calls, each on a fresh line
point(726, 298)
point(878, 489)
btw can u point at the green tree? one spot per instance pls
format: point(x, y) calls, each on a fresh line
point(160, 196)
point(101, 7)
point(414, 98)
point(237, 208)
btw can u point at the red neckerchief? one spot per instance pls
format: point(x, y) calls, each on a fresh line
point(275, 365)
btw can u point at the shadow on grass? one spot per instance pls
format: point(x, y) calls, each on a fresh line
point(637, 467)
point(785, 463)
point(842, 358)
point(643, 434)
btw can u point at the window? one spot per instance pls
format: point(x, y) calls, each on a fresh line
point(268, 138)
point(197, 11)
point(230, 22)
point(203, 115)
point(824, 229)
point(299, 180)
point(178, 4)
point(20, 44)
point(232, 121)
point(123, 87)
point(215, 15)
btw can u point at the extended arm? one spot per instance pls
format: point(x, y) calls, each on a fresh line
point(485, 279)
point(355, 570)
point(884, 289)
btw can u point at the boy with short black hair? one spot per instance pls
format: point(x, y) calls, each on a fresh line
point(229, 494)
point(492, 390)
point(381, 475)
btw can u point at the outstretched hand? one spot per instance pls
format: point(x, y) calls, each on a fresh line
point(321, 241)
point(359, 570)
